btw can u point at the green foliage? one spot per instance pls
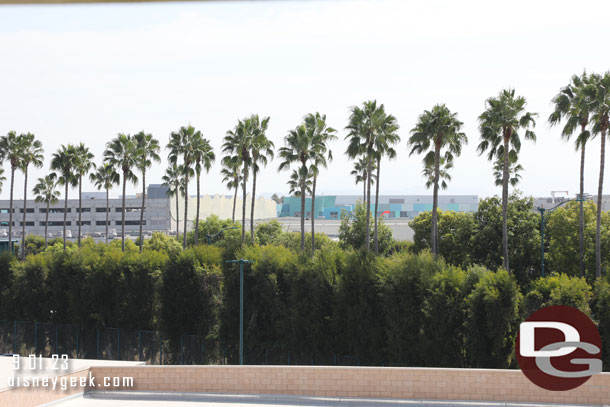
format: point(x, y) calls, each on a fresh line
point(404, 308)
point(292, 240)
point(352, 232)
point(600, 306)
point(492, 321)
point(163, 243)
point(356, 315)
point(406, 279)
point(212, 226)
point(558, 289)
point(563, 239)
point(455, 231)
point(268, 232)
point(523, 236)
point(189, 295)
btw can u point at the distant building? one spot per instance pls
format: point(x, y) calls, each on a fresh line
point(93, 219)
point(394, 206)
point(159, 213)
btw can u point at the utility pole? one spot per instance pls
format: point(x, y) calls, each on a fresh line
point(241, 306)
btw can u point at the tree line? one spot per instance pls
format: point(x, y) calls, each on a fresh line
point(335, 305)
point(583, 106)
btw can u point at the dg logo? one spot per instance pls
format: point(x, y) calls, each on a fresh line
point(558, 348)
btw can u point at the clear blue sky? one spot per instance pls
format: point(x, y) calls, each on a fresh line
point(85, 73)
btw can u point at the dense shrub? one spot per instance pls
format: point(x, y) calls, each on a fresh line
point(352, 232)
point(455, 231)
point(340, 305)
point(558, 289)
point(600, 306)
point(492, 320)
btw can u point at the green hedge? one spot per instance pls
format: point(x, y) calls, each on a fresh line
point(340, 306)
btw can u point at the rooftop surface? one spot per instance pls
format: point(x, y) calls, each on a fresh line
point(129, 399)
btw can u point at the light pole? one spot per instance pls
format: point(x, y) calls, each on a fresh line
point(241, 306)
point(210, 237)
point(542, 223)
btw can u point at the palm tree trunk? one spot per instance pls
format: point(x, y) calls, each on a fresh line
point(369, 170)
point(505, 205)
point(65, 213)
point(80, 204)
point(243, 215)
point(142, 210)
point(313, 215)
point(364, 189)
point(10, 212)
point(197, 211)
point(252, 206)
point(598, 241)
point(186, 210)
point(377, 205)
point(234, 201)
point(581, 220)
point(303, 215)
point(107, 210)
point(25, 201)
point(46, 226)
point(177, 215)
point(123, 212)
point(437, 159)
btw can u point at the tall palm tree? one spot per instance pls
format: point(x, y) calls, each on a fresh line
point(321, 135)
point(122, 154)
point(385, 139)
point(105, 177)
point(180, 146)
point(363, 129)
point(31, 153)
point(10, 149)
point(231, 177)
point(261, 152)
point(174, 180)
point(499, 126)
point(237, 144)
point(299, 148)
point(360, 173)
point(83, 164)
point(438, 135)
point(599, 93)
point(204, 157)
point(573, 105)
point(64, 162)
point(46, 191)
point(148, 148)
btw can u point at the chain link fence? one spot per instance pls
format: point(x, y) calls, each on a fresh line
point(45, 339)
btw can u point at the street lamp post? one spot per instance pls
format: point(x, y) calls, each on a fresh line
point(210, 237)
point(241, 306)
point(542, 210)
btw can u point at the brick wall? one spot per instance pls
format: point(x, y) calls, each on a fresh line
point(406, 383)
point(33, 396)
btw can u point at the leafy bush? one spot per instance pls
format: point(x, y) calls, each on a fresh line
point(352, 232)
point(494, 314)
point(558, 289)
point(268, 232)
point(455, 231)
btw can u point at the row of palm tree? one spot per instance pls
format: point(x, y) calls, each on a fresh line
point(583, 104)
point(69, 164)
